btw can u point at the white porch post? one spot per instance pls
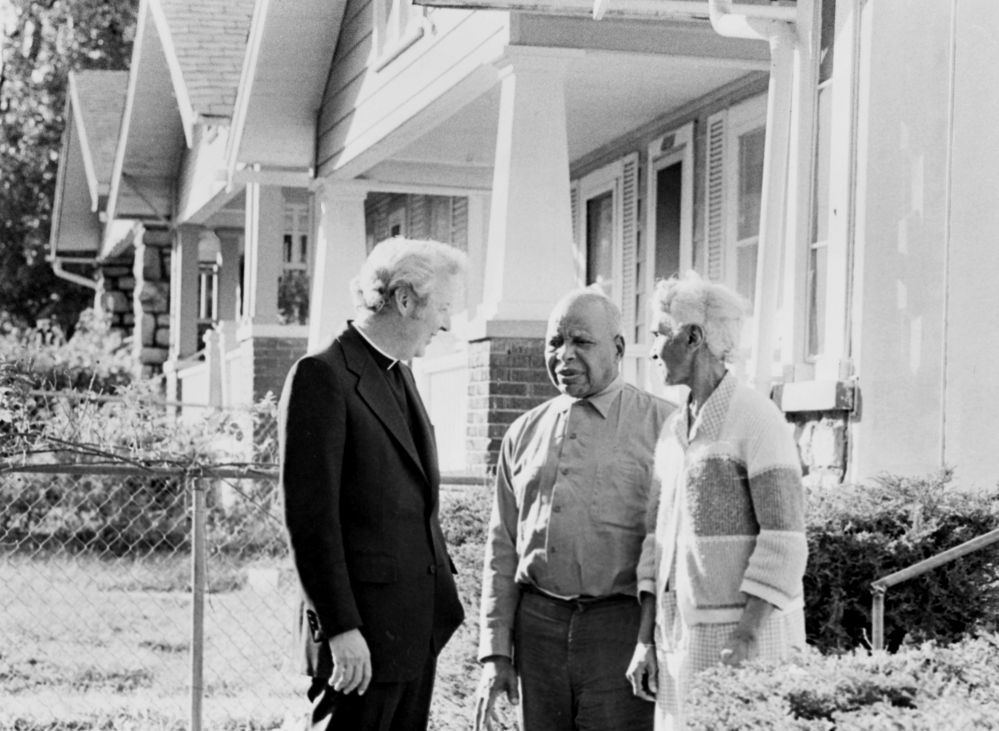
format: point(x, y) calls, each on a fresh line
point(529, 258)
point(262, 268)
point(228, 280)
point(184, 292)
point(340, 252)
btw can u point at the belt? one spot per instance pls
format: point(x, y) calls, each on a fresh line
point(580, 602)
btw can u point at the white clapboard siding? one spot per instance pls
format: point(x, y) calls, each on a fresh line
point(443, 383)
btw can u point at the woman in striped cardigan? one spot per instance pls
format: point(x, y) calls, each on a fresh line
point(722, 564)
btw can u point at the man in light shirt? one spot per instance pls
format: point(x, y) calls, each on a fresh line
point(560, 606)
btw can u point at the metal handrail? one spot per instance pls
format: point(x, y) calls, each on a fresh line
point(881, 586)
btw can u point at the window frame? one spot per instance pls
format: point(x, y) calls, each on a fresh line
point(597, 183)
point(388, 46)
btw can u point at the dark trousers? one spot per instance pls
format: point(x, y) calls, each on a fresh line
point(384, 707)
point(572, 657)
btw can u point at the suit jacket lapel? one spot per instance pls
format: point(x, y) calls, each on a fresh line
point(373, 389)
point(426, 444)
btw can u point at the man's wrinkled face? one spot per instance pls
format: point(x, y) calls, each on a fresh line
point(433, 316)
point(582, 350)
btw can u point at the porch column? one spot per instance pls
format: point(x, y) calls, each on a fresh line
point(340, 252)
point(184, 292)
point(529, 256)
point(228, 279)
point(262, 251)
point(529, 259)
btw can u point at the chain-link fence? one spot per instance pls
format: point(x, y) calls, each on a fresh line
point(155, 596)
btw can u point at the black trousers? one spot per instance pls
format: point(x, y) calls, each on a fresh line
point(383, 707)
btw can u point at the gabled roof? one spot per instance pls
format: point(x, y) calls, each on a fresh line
point(208, 39)
point(94, 106)
point(98, 99)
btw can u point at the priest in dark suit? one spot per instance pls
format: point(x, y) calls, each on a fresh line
point(360, 482)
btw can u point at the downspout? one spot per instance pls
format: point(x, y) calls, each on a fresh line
point(70, 277)
point(783, 41)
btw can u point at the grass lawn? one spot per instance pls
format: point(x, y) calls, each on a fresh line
point(99, 643)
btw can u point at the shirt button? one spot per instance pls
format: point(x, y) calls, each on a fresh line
point(553, 550)
point(572, 436)
point(431, 569)
point(565, 470)
point(557, 509)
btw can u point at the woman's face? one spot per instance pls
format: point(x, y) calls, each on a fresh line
point(670, 351)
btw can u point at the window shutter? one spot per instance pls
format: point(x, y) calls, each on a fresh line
point(629, 243)
point(715, 197)
point(579, 246)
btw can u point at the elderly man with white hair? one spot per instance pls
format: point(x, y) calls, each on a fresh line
point(722, 564)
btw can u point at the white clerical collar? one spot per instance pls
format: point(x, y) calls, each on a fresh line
point(374, 345)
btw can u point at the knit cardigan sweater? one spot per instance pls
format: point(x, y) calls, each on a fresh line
point(726, 517)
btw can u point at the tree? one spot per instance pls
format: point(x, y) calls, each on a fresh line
point(43, 40)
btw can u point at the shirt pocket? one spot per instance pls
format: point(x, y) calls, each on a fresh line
point(621, 493)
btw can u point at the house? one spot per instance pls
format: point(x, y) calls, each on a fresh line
point(832, 160)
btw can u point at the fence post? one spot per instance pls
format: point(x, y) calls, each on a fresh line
point(878, 618)
point(198, 568)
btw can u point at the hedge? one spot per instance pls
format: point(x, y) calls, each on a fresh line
point(857, 534)
point(922, 688)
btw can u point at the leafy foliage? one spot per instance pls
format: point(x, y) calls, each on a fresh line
point(857, 534)
point(94, 359)
point(921, 688)
point(42, 42)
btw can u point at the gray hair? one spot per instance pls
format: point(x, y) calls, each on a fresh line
point(593, 293)
point(693, 300)
point(410, 263)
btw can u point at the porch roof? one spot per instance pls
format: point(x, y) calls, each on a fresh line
point(184, 71)
point(284, 72)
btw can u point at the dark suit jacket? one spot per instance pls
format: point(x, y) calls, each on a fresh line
point(361, 506)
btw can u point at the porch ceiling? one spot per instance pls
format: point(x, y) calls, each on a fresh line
point(608, 95)
point(283, 77)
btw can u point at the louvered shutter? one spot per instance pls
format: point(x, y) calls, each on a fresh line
point(629, 243)
point(578, 246)
point(714, 238)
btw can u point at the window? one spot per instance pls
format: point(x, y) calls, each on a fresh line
point(746, 144)
point(293, 286)
point(819, 229)
point(600, 242)
point(397, 25)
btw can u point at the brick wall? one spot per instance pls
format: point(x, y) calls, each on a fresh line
point(507, 377)
point(271, 359)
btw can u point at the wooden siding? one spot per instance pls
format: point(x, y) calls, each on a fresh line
point(362, 104)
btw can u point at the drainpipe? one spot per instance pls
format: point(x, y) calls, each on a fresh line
point(70, 277)
point(783, 41)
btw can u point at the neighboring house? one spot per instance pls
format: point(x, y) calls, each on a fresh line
point(834, 161)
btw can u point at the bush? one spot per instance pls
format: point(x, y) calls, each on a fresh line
point(96, 358)
point(921, 688)
point(857, 534)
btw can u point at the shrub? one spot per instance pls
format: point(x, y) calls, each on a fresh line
point(857, 534)
point(96, 358)
point(921, 688)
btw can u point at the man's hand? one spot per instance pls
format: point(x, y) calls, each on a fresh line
point(351, 662)
point(498, 676)
point(740, 647)
point(643, 672)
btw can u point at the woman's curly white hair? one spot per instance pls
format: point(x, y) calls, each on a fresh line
point(693, 300)
point(399, 262)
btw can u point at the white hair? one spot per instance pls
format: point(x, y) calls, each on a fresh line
point(398, 262)
point(715, 308)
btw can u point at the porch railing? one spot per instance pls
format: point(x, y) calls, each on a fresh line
point(881, 586)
